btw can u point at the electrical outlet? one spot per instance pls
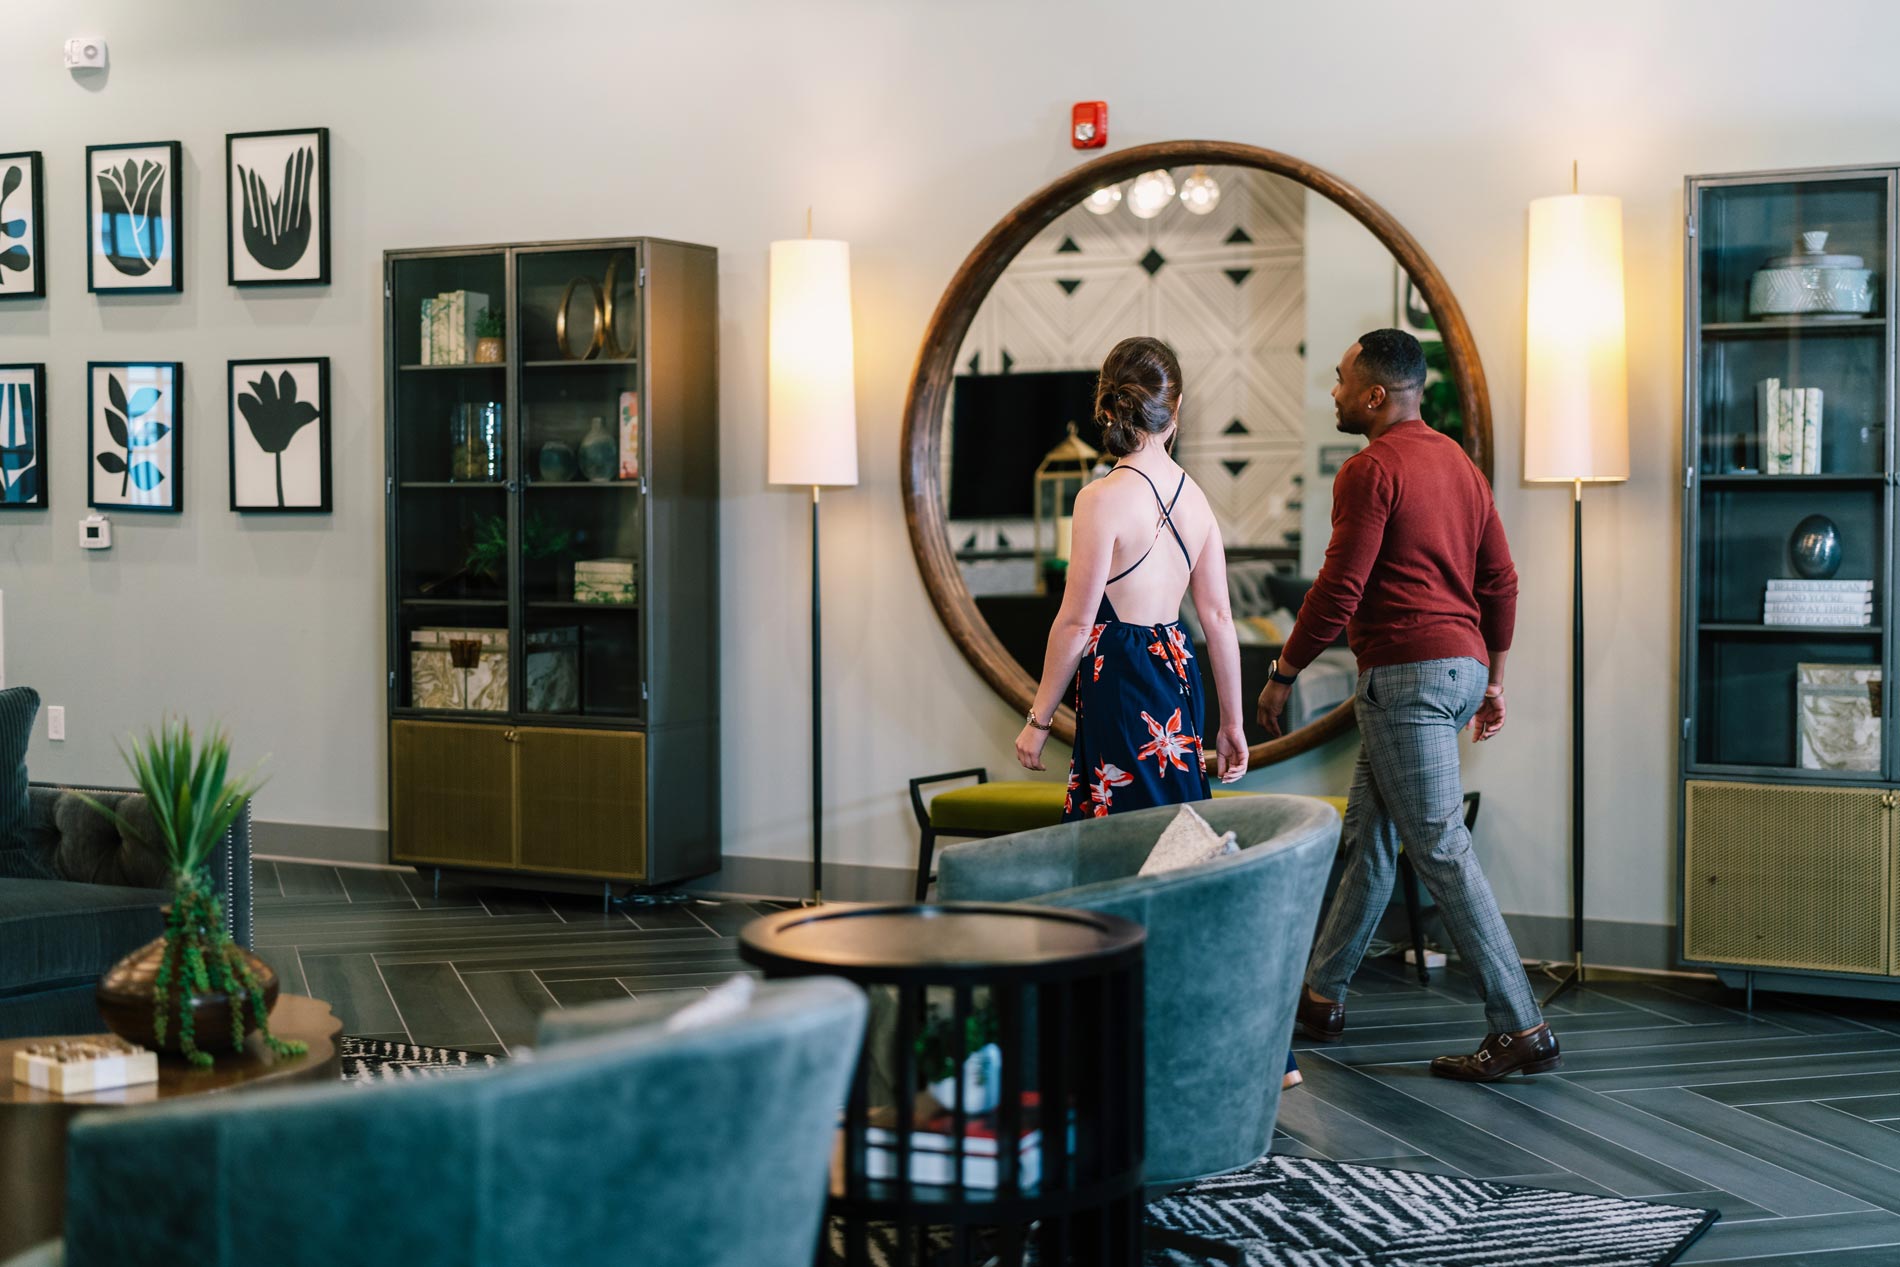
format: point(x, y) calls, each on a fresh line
point(55, 721)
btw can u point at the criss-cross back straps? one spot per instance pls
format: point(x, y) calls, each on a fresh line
point(1167, 518)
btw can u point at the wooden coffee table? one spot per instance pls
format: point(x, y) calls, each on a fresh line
point(33, 1122)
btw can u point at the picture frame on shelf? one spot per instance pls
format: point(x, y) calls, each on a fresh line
point(277, 207)
point(135, 443)
point(134, 218)
point(22, 226)
point(278, 413)
point(23, 483)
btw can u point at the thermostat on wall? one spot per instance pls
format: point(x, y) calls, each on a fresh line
point(86, 53)
point(95, 532)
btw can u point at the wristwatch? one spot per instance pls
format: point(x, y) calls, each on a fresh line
point(1284, 679)
point(1038, 725)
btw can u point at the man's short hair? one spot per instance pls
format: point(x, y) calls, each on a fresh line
point(1392, 359)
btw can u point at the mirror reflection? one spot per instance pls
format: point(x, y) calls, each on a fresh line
point(1259, 284)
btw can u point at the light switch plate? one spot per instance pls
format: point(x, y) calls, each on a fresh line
point(55, 721)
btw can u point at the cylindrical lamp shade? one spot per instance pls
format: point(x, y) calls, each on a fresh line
point(811, 408)
point(1576, 385)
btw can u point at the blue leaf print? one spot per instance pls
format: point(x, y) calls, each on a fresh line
point(147, 434)
point(142, 400)
point(146, 476)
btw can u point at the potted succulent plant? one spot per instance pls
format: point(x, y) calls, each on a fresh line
point(194, 990)
point(488, 328)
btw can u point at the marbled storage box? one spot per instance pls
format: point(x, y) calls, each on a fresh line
point(553, 668)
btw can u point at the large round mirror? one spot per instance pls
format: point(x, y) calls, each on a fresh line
point(1260, 271)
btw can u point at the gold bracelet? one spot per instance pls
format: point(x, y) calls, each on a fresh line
point(1038, 725)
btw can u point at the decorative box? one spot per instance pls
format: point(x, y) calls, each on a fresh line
point(1838, 716)
point(629, 435)
point(70, 1066)
point(606, 581)
point(461, 669)
point(1810, 282)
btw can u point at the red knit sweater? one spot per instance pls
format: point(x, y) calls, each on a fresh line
point(1418, 568)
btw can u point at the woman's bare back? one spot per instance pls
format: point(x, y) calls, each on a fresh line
point(1149, 590)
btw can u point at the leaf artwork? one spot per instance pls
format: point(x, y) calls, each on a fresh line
point(16, 258)
point(131, 216)
point(277, 230)
point(19, 467)
point(276, 416)
point(134, 472)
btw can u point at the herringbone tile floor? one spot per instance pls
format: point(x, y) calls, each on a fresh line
point(1787, 1119)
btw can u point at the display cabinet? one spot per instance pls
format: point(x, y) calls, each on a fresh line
point(552, 559)
point(1790, 789)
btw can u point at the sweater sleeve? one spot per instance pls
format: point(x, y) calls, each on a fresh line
point(1362, 502)
point(1496, 584)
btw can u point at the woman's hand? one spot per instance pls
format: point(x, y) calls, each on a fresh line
point(1230, 749)
point(1029, 747)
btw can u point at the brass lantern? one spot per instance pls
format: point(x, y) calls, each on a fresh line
point(1059, 477)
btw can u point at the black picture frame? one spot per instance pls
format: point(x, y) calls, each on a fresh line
point(35, 169)
point(35, 372)
point(174, 438)
point(174, 208)
point(237, 252)
point(246, 439)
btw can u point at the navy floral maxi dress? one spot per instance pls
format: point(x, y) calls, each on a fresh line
point(1138, 707)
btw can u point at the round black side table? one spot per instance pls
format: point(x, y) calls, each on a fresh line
point(1040, 1139)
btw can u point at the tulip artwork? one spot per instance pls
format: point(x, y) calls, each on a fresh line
point(132, 214)
point(277, 207)
point(279, 459)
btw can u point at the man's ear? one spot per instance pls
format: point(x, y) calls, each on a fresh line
point(1376, 397)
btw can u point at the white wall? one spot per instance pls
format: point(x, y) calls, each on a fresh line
point(911, 128)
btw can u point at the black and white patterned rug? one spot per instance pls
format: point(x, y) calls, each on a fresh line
point(372, 1060)
point(1296, 1212)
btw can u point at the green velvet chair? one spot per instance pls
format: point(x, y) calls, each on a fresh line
point(618, 1143)
point(1227, 948)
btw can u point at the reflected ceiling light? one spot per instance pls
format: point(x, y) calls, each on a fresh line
point(1103, 200)
point(1199, 192)
point(1150, 193)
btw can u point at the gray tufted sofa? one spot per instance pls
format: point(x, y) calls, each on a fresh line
point(76, 895)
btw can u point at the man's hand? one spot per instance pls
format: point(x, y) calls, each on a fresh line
point(1489, 719)
point(1272, 705)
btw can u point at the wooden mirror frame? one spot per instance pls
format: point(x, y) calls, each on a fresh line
point(930, 384)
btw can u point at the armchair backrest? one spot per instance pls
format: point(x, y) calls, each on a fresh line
point(707, 1147)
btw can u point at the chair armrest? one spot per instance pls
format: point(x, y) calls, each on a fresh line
point(1049, 859)
point(920, 808)
point(45, 1254)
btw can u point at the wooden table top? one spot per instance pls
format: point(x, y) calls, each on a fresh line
point(294, 1016)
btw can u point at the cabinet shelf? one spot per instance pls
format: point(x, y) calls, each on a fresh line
point(463, 366)
point(599, 362)
point(568, 605)
point(1790, 631)
point(1794, 325)
point(610, 486)
point(1745, 479)
point(469, 485)
point(455, 602)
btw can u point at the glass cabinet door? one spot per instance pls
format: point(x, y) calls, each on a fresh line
point(1791, 385)
point(450, 521)
point(578, 313)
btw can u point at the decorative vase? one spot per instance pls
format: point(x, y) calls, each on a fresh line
point(982, 1082)
point(600, 454)
point(488, 350)
point(127, 1000)
point(557, 462)
point(1815, 548)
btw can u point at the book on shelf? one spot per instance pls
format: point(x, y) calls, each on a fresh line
point(1811, 430)
point(1818, 609)
point(1853, 621)
point(1788, 428)
point(426, 356)
point(448, 326)
point(1819, 586)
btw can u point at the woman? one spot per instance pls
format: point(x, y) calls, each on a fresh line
point(1144, 536)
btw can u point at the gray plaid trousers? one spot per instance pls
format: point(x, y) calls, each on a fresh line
point(1406, 790)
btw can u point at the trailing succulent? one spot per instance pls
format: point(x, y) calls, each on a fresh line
point(194, 801)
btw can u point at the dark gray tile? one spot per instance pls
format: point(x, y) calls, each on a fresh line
point(1821, 1087)
point(512, 1002)
point(1873, 1108)
point(1732, 1207)
point(367, 884)
point(1477, 1153)
point(581, 993)
point(1417, 1163)
point(501, 903)
point(1763, 1238)
point(1331, 1131)
point(1557, 1181)
point(264, 886)
point(436, 1008)
point(668, 915)
point(1804, 1057)
point(1877, 1143)
point(304, 882)
point(354, 989)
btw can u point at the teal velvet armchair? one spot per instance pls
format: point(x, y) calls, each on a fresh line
point(1227, 948)
point(617, 1143)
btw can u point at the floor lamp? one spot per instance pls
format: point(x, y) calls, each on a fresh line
point(812, 430)
point(1576, 421)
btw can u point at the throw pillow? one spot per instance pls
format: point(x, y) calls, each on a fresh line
point(93, 850)
point(1187, 842)
point(726, 1000)
point(19, 706)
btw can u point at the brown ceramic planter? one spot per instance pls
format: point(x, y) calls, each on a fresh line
point(125, 1001)
point(487, 350)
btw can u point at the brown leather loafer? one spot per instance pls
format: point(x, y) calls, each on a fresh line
point(1503, 1054)
point(1321, 1022)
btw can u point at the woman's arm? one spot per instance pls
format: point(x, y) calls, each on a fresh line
point(1091, 550)
point(1209, 587)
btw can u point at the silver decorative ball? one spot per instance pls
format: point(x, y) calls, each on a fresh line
point(1815, 548)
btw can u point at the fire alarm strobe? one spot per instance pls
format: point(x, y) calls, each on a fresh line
point(1088, 125)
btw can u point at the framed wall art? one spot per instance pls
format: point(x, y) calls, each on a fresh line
point(135, 446)
point(279, 416)
point(23, 437)
point(277, 207)
point(22, 227)
point(134, 218)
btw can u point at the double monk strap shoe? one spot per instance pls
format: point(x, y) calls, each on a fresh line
point(1321, 1022)
point(1503, 1054)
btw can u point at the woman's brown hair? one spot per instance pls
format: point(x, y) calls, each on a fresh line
point(1137, 394)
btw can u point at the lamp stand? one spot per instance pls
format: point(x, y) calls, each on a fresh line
point(817, 725)
point(1574, 976)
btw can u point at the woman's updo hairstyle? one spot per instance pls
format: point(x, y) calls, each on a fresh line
point(1137, 394)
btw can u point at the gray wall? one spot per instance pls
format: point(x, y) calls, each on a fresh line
point(910, 128)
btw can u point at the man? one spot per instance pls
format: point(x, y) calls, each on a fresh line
point(1419, 577)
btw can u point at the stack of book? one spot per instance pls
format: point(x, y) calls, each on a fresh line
point(1819, 603)
point(933, 1145)
point(448, 327)
point(69, 1066)
point(1788, 422)
point(609, 581)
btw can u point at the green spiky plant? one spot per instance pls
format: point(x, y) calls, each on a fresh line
point(488, 324)
point(194, 800)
